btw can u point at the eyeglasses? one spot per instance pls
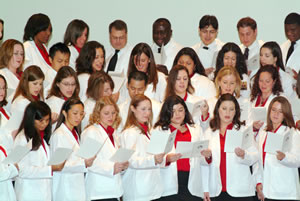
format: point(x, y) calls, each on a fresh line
point(66, 84)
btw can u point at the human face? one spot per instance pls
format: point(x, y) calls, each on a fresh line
point(276, 114)
point(229, 59)
point(42, 123)
point(99, 60)
point(266, 83)
point(35, 87)
point(187, 61)
point(161, 33)
point(118, 38)
point(292, 32)
point(59, 60)
point(17, 58)
point(226, 112)
point(107, 91)
point(208, 34)
point(247, 35)
point(67, 86)
point(81, 40)
point(43, 36)
point(1, 31)
point(178, 114)
point(143, 111)
point(74, 116)
point(143, 62)
point(136, 87)
point(228, 84)
point(266, 57)
point(2, 89)
point(181, 83)
point(108, 115)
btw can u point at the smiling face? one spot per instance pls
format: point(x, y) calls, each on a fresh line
point(67, 86)
point(98, 62)
point(108, 115)
point(81, 40)
point(143, 111)
point(142, 63)
point(17, 58)
point(161, 33)
point(292, 32)
point(182, 82)
point(226, 112)
point(35, 87)
point(74, 116)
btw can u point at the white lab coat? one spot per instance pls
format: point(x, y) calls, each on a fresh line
point(169, 173)
point(102, 170)
point(49, 78)
point(89, 105)
point(123, 58)
point(7, 173)
point(239, 181)
point(203, 86)
point(68, 184)
point(34, 182)
point(11, 79)
point(142, 180)
point(55, 103)
point(280, 179)
point(73, 56)
point(34, 57)
point(294, 59)
point(83, 79)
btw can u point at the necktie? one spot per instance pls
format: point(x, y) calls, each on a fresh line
point(205, 47)
point(246, 53)
point(159, 50)
point(290, 51)
point(113, 61)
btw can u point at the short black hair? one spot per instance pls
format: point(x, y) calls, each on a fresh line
point(163, 20)
point(208, 20)
point(138, 75)
point(58, 47)
point(292, 18)
point(118, 25)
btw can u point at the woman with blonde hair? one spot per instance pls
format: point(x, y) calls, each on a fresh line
point(103, 125)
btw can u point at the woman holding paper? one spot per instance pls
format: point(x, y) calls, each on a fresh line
point(34, 180)
point(180, 177)
point(266, 86)
point(100, 84)
point(69, 184)
point(142, 59)
point(277, 175)
point(102, 127)
point(229, 172)
point(142, 180)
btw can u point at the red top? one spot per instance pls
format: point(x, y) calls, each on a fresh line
point(3, 150)
point(185, 97)
point(182, 164)
point(64, 97)
point(44, 54)
point(4, 113)
point(223, 158)
point(36, 98)
point(109, 131)
point(258, 102)
point(77, 48)
point(192, 74)
point(145, 127)
point(19, 75)
point(42, 138)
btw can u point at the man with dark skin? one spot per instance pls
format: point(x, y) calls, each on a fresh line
point(164, 47)
point(291, 48)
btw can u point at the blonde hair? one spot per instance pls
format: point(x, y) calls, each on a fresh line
point(227, 70)
point(100, 104)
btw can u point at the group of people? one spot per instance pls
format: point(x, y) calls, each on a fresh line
point(65, 96)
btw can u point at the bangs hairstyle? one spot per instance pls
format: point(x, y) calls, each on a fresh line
point(35, 24)
point(35, 111)
point(166, 113)
point(215, 123)
point(276, 52)
point(4, 101)
point(96, 85)
point(288, 119)
point(187, 51)
point(247, 22)
point(7, 52)
point(87, 56)
point(66, 107)
point(31, 73)
point(135, 56)
point(95, 118)
point(74, 30)
point(64, 72)
point(240, 65)
point(208, 20)
point(131, 119)
point(170, 89)
point(227, 70)
point(277, 88)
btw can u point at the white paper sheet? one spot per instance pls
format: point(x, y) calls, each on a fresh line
point(59, 156)
point(18, 153)
point(259, 114)
point(274, 143)
point(191, 149)
point(89, 148)
point(235, 139)
point(122, 155)
point(253, 63)
point(118, 79)
point(195, 108)
point(160, 142)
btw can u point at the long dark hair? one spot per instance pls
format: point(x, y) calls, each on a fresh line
point(276, 52)
point(74, 30)
point(166, 112)
point(35, 111)
point(215, 122)
point(4, 102)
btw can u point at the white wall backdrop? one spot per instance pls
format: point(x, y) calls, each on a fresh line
point(140, 14)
